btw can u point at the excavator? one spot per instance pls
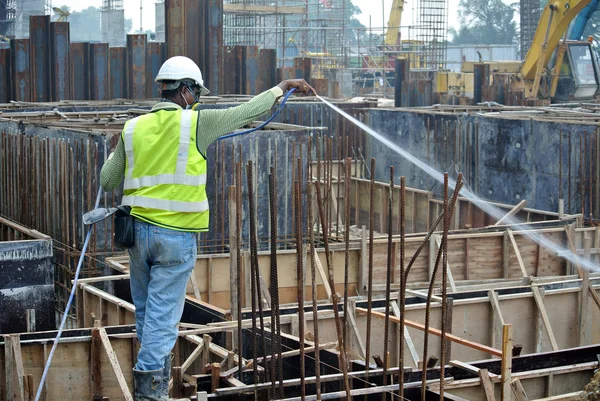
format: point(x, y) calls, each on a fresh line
point(555, 69)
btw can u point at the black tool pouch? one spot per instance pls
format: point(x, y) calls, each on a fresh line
point(124, 232)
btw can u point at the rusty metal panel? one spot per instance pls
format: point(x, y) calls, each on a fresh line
point(80, 70)
point(39, 53)
point(155, 58)
point(118, 73)
point(268, 69)
point(195, 33)
point(136, 65)
point(5, 76)
point(232, 69)
point(99, 77)
point(20, 62)
point(60, 66)
point(175, 27)
point(213, 55)
point(302, 68)
point(250, 57)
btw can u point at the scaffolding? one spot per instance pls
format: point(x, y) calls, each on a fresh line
point(296, 28)
point(530, 16)
point(431, 30)
point(7, 17)
point(109, 5)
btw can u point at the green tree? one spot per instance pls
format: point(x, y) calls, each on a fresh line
point(85, 24)
point(485, 22)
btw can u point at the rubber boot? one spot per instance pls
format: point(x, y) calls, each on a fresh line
point(164, 385)
point(147, 385)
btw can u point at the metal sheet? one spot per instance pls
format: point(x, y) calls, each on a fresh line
point(60, 65)
point(118, 73)
point(232, 69)
point(5, 77)
point(194, 25)
point(20, 71)
point(39, 38)
point(268, 69)
point(80, 73)
point(136, 65)
point(303, 68)
point(155, 58)
point(250, 72)
point(99, 77)
point(174, 27)
point(214, 46)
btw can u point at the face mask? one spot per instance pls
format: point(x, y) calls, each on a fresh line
point(187, 105)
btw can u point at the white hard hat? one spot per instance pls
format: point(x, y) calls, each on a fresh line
point(178, 69)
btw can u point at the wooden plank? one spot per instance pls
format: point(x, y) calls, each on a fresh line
point(506, 372)
point(354, 327)
point(433, 249)
point(407, 338)
point(207, 340)
point(195, 286)
point(505, 256)
point(512, 212)
point(436, 332)
point(95, 365)
point(28, 387)
point(177, 382)
point(209, 284)
point(516, 249)
point(542, 310)
point(112, 357)
point(563, 397)
point(190, 359)
point(584, 294)
point(471, 368)
point(18, 361)
point(497, 318)
point(364, 262)
point(486, 384)
point(265, 290)
point(321, 271)
point(595, 296)
point(518, 390)
point(215, 376)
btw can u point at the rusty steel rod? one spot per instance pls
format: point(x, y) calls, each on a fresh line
point(299, 277)
point(447, 218)
point(238, 228)
point(274, 282)
point(334, 297)
point(388, 281)
point(253, 267)
point(347, 180)
point(402, 292)
point(370, 267)
point(313, 286)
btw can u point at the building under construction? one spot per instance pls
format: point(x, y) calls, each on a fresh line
point(443, 251)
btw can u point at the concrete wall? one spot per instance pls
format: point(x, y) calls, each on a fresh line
point(27, 284)
point(159, 20)
point(113, 27)
point(504, 160)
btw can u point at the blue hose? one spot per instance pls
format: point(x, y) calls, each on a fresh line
point(266, 122)
point(66, 314)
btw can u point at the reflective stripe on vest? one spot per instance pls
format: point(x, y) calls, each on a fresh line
point(164, 204)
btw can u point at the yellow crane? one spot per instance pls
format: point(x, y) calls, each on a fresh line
point(63, 14)
point(553, 69)
point(393, 29)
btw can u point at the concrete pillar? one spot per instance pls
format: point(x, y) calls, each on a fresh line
point(25, 9)
point(112, 24)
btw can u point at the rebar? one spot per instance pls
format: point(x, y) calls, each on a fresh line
point(334, 296)
point(313, 286)
point(238, 228)
point(370, 269)
point(347, 180)
point(402, 292)
point(274, 284)
point(300, 281)
point(253, 267)
point(388, 280)
point(447, 217)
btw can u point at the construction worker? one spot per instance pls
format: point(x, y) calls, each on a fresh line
point(162, 157)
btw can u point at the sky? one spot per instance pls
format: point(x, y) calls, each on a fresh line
point(377, 14)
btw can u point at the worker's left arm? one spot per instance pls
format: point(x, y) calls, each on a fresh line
point(113, 170)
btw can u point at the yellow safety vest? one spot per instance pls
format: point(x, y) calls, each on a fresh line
point(165, 174)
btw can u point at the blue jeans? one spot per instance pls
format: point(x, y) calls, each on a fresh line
point(160, 264)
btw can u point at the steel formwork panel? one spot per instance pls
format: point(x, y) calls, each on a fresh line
point(60, 61)
point(99, 71)
point(136, 65)
point(20, 70)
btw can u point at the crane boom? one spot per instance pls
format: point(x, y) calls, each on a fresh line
point(554, 22)
point(391, 36)
point(582, 20)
